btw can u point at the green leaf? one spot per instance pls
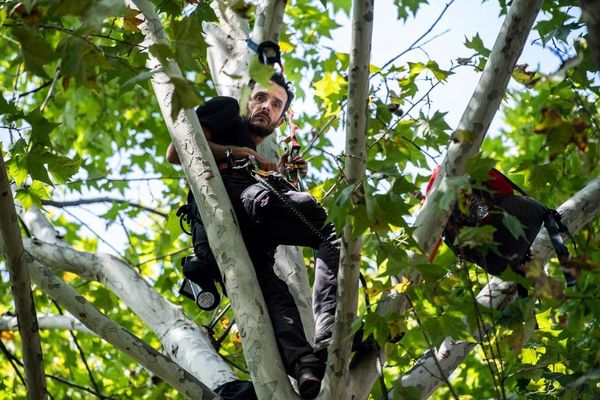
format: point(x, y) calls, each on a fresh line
point(32, 195)
point(205, 12)
point(6, 107)
point(478, 167)
point(36, 51)
point(184, 97)
point(408, 7)
point(189, 41)
point(514, 226)
point(171, 7)
point(261, 73)
point(63, 168)
point(40, 128)
point(161, 51)
point(477, 44)
point(80, 59)
point(475, 236)
point(101, 9)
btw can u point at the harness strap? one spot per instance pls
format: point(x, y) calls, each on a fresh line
point(268, 52)
point(554, 226)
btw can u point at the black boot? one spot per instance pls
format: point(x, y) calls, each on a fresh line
point(309, 371)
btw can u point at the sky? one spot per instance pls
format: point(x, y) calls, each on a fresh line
point(463, 20)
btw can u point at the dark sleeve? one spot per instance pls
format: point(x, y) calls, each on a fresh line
point(220, 115)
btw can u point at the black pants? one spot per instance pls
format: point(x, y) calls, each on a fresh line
point(266, 222)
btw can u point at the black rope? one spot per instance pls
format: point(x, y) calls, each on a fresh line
point(293, 209)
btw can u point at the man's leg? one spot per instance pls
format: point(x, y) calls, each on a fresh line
point(284, 226)
point(282, 309)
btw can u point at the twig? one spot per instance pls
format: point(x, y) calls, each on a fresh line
point(81, 352)
point(12, 359)
point(163, 256)
point(84, 224)
point(71, 203)
point(37, 89)
point(413, 44)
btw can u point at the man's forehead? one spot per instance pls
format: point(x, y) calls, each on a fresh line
point(274, 90)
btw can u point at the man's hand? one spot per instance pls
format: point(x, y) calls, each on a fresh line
point(243, 152)
point(296, 163)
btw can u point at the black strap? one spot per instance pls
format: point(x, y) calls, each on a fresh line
point(268, 52)
point(555, 226)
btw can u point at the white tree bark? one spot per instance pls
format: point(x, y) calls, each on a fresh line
point(33, 360)
point(355, 165)
point(182, 339)
point(579, 210)
point(478, 115)
point(48, 322)
point(258, 342)
point(116, 335)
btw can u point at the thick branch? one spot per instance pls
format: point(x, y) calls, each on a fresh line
point(258, 341)
point(591, 16)
point(58, 322)
point(116, 335)
point(579, 210)
point(356, 149)
point(71, 203)
point(478, 115)
point(21, 289)
point(182, 340)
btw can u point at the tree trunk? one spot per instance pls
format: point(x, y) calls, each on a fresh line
point(355, 166)
point(10, 234)
point(258, 341)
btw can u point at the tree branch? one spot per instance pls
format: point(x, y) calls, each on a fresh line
point(467, 138)
point(72, 203)
point(182, 340)
point(162, 366)
point(478, 115)
point(10, 234)
point(356, 146)
point(60, 322)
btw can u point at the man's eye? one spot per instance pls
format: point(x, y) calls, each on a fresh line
point(259, 97)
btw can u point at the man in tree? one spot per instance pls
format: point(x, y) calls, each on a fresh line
point(267, 221)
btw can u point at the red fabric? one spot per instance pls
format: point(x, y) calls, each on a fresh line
point(434, 175)
point(497, 181)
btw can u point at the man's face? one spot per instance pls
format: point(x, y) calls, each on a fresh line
point(265, 108)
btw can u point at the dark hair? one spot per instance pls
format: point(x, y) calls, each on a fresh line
point(280, 80)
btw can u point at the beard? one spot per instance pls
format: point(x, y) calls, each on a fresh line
point(260, 131)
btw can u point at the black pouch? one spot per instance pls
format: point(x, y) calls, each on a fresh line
point(487, 209)
point(254, 199)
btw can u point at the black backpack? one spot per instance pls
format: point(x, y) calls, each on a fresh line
point(486, 207)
